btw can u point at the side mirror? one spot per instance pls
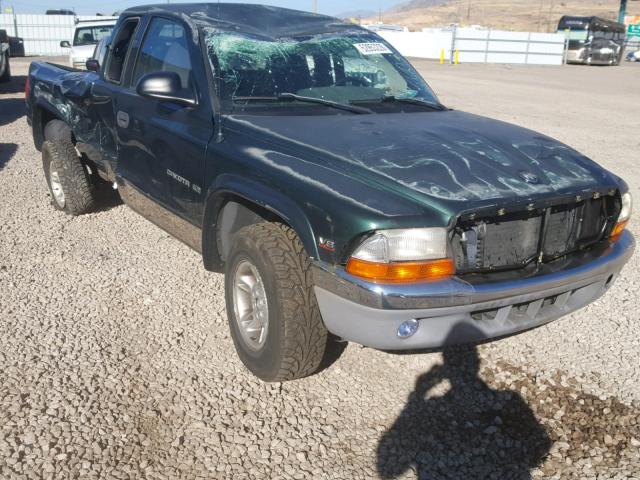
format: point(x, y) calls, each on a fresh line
point(165, 86)
point(92, 65)
point(65, 44)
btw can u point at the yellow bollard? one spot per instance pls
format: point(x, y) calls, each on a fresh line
point(457, 57)
point(442, 57)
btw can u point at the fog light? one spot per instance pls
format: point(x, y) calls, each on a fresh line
point(408, 329)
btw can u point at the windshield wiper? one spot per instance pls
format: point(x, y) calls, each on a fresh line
point(301, 98)
point(415, 101)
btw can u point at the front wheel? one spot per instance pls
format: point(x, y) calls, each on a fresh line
point(271, 306)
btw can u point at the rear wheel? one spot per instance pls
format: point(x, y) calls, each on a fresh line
point(5, 68)
point(273, 315)
point(70, 184)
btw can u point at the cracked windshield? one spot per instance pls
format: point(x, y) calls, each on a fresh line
point(356, 73)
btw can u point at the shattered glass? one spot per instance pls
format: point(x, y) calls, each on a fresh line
point(347, 69)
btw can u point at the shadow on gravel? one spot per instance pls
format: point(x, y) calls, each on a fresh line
point(11, 109)
point(7, 151)
point(334, 350)
point(472, 431)
point(16, 85)
point(107, 197)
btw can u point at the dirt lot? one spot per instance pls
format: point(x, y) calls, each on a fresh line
point(116, 362)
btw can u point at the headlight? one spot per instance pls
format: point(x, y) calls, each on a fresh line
point(396, 256)
point(625, 215)
point(627, 205)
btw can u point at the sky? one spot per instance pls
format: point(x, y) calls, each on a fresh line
point(90, 7)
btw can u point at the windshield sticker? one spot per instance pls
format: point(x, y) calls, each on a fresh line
point(372, 48)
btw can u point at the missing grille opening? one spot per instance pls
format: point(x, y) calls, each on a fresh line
point(517, 239)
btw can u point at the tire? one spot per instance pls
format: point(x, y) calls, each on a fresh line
point(6, 74)
point(65, 173)
point(57, 130)
point(295, 337)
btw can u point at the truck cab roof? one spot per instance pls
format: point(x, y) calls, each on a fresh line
point(262, 21)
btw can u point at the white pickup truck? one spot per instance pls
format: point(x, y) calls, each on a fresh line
point(85, 38)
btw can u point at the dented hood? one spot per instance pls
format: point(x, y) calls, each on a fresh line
point(453, 158)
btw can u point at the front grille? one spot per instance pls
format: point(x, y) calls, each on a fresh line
point(517, 239)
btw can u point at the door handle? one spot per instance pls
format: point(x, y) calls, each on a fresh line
point(122, 118)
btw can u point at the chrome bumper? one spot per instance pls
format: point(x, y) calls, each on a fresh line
point(490, 305)
point(576, 56)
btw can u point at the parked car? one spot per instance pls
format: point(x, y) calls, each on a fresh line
point(86, 36)
point(306, 159)
point(16, 47)
point(633, 56)
point(5, 67)
point(593, 40)
point(61, 11)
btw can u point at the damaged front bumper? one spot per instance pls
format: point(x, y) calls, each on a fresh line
point(489, 305)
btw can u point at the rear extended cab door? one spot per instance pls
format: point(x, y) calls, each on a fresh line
point(102, 144)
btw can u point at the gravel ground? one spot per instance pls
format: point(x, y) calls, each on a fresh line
point(116, 361)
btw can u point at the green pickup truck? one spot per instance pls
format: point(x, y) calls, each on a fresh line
point(306, 159)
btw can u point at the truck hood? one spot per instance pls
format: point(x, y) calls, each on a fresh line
point(452, 158)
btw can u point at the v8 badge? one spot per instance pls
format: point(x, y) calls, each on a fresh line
point(327, 244)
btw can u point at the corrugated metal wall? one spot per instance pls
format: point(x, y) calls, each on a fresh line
point(42, 34)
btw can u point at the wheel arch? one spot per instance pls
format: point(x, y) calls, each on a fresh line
point(43, 114)
point(236, 203)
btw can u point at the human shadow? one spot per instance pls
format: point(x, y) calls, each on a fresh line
point(472, 431)
point(7, 151)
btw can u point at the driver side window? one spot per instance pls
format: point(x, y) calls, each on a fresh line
point(164, 49)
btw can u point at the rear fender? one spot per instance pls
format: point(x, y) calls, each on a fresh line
point(43, 113)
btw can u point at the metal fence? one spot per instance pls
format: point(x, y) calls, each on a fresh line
point(485, 46)
point(495, 46)
point(42, 34)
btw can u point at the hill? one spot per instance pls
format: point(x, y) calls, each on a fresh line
point(527, 15)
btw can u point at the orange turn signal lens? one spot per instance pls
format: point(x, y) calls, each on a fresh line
point(617, 230)
point(401, 272)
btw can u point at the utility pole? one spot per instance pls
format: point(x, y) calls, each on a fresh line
point(15, 21)
point(315, 6)
point(540, 16)
point(623, 11)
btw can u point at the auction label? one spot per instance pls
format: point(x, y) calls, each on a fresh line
point(372, 48)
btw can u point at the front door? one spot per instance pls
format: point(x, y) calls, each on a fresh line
point(163, 144)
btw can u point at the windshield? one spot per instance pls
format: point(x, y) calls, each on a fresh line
point(91, 35)
point(359, 69)
point(580, 35)
point(577, 36)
